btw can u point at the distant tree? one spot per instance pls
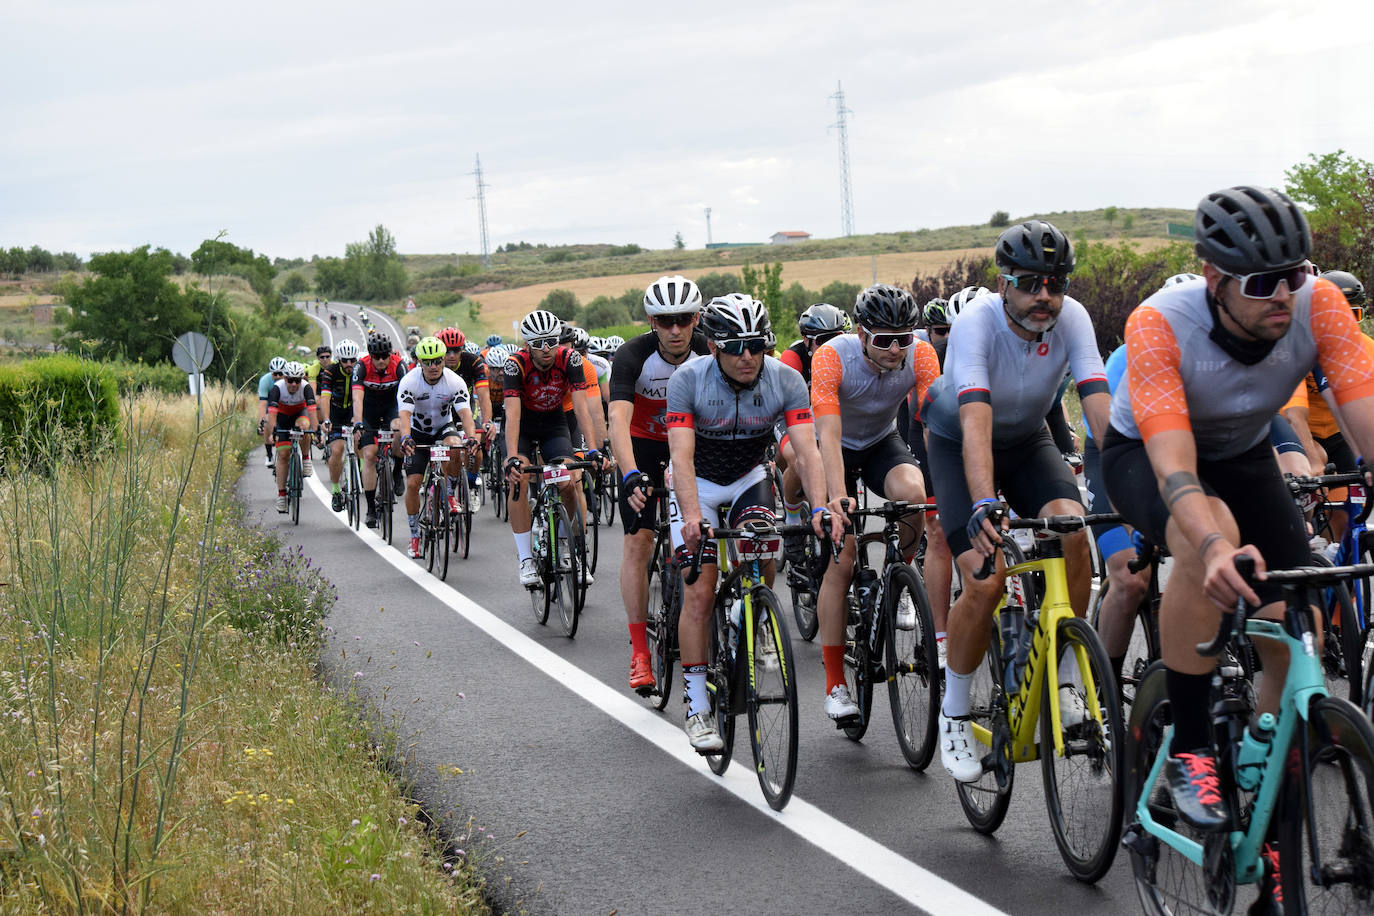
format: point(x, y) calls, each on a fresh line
point(841, 295)
point(678, 243)
point(15, 261)
point(294, 284)
point(1109, 214)
point(766, 286)
point(1340, 190)
point(68, 260)
point(718, 284)
point(603, 311)
point(1128, 221)
point(130, 308)
point(632, 300)
point(562, 302)
point(620, 250)
point(999, 219)
point(40, 260)
point(798, 299)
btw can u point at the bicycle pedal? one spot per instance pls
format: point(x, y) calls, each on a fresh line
point(646, 691)
point(849, 722)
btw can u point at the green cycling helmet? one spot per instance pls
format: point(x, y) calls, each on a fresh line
point(430, 348)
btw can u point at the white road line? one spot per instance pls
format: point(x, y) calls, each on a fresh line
point(328, 333)
point(868, 857)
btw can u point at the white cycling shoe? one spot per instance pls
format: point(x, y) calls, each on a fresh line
point(839, 704)
point(956, 748)
point(529, 572)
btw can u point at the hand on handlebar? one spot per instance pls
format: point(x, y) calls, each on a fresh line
point(407, 445)
point(1222, 582)
point(693, 532)
point(985, 526)
point(637, 486)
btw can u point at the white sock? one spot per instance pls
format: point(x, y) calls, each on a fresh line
point(956, 693)
point(698, 698)
point(793, 513)
point(522, 545)
point(1069, 675)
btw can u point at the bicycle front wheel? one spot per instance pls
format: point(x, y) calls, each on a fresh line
point(720, 678)
point(384, 499)
point(462, 522)
point(1081, 786)
point(594, 511)
point(772, 700)
point(913, 672)
point(1339, 794)
point(567, 570)
point(442, 519)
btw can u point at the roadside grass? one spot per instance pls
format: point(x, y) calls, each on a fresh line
point(164, 744)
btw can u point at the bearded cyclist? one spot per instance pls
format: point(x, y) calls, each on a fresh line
point(375, 380)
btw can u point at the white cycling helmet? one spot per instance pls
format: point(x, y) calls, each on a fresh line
point(735, 316)
point(1180, 278)
point(293, 370)
point(278, 364)
point(672, 296)
point(472, 347)
point(959, 300)
point(614, 342)
point(540, 323)
point(581, 340)
point(597, 345)
point(497, 356)
point(346, 349)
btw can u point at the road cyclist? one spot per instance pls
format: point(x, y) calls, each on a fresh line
point(335, 410)
point(275, 369)
point(472, 369)
point(290, 405)
point(638, 394)
point(376, 379)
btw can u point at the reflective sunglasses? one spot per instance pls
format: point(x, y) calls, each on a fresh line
point(938, 332)
point(754, 345)
point(674, 321)
point(436, 361)
point(276, 375)
point(1030, 283)
point(823, 339)
point(543, 343)
point(885, 341)
point(1265, 284)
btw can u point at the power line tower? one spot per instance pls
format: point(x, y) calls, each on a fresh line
point(708, 227)
point(482, 211)
point(846, 194)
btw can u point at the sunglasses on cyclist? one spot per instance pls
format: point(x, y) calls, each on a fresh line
point(938, 332)
point(754, 345)
point(1358, 311)
point(1265, 284)
point(543, 343)
point(1030, 283)
point(674, 321)
point(294, 381)
point(822, 339)
point(436, 361)
point(885, 341)
point(347, 362)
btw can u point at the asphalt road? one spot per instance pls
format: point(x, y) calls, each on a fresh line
point(575, 797)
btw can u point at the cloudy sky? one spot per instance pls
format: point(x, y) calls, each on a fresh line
point(297, 126)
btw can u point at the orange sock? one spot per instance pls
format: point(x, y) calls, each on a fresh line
point(834, 666)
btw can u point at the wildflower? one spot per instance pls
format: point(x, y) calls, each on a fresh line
point(375, 877)
point(356, 822)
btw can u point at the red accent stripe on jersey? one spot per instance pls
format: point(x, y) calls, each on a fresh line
point(801, 415)
point(680, 420)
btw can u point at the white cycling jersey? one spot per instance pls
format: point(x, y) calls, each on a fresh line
point(432, 407)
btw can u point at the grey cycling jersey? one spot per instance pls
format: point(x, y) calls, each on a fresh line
point(734, 425)
point(434, 406)
point(1178, 378)
point(987, 361)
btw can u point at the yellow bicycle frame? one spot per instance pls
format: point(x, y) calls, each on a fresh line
point(1023, 700)
point(747, 584)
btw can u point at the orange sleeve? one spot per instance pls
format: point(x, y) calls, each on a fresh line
point(1299, 398)
point(826, 373)
point(1158, 402)
point(926, 363)
point(1344, 353)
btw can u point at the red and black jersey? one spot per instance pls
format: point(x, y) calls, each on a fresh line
point(798, 356)
point(541, 391)
point(377, 384)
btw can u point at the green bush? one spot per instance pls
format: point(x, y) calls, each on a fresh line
point(603, 310)
point(131, 378)
point(562, 302)
point(624, 330)
point(77, 396)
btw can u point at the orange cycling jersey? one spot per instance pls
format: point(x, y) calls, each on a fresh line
point(593, 388)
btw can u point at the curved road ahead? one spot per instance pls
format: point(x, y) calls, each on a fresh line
point(575, 797)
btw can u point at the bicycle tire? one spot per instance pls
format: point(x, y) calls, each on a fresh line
point(428, 519)
point(913, 670)
point(579, 546)
point(539, 551)
point(1340, 796)
point(772, 700)
point(1166, 881)
point(665, 609)
point(594, 510)
point(985, 800)
point(1143, 649)
point(1081, 788)
point(802, 585)
point(346, 488)
point(567, 571)
point(384, 499)
point(442, 521)
point(1341, 656)
point(294, 484)
point(355, 493)
point(462, 522)
point(610, 495)
point(720, 679)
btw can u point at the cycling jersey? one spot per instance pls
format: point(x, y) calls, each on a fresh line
point(265, 385)
point(640, 375)
point(472, 371)
point(734, 425)
point(798, 356)
point(1115, 367)
point(377, 384)
point(1178, 379)
point(602, 367)
point(589, 384)
point(288, 406)
point(986, 361)
point(312, 374)
point(541, 390)
point(434, 406)
point(339, 386)
point(846, 384)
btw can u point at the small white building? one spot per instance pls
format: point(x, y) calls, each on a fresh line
point(789, 238)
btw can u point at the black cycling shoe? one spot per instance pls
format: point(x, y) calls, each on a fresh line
point(371, 520)
point(337, 502)
point(1196, 789)
point(794, 552)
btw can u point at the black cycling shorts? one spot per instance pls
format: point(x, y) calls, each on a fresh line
point(650, 456)
point(374, 420)
point(416, 461)
point(1339, 453)
point(873, 463)
point(1250, 484)
point(548, 431)
point(1030, 474)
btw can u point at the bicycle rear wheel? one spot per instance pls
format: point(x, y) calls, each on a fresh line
point(1081, 786)
point(579, 547)
point(913, 673)
point(1143, 648)
point(610, 496)
point(1340, 796)
point(858, 667)
point(720, 679)
point(441, 520)
point(462, 522)
point(986, 799)
point(665, 608)
point(596, 519)
point(1166, 881)
point(294, 484)
point(567, 570)
point(772, 700)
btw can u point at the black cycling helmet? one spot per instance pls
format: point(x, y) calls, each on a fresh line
point(821, 319)
point(378, 345)
point(1245, 230)
point(934, 314)
point(1347, 283)
point(1037, 246)
point(884, 306)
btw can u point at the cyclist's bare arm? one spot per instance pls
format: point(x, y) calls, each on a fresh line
point(831, 454)
point(813, 473)
point(588, 419)
point(512, 427)
point(1097, 409)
